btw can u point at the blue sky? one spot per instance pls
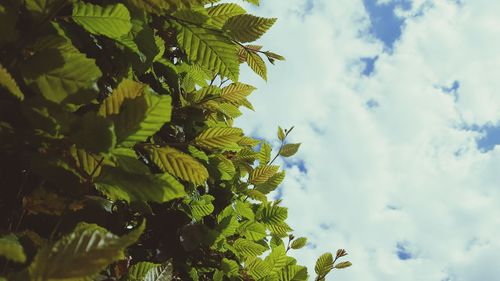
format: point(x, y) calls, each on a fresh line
point(396, 105)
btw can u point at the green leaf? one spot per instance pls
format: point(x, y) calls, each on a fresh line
point(141, 118)
point(299, 243)
point(281, 134)
point(201, 207)
point(344, 264)
point(82, 253)
point(209, 49)
point(248, 248)
point(58, 70)
point(11, 249)
point(219, 14)
point(179, 164)
point(236, 92)
point(324, 264)
point(262, 173)
point(117, 184)
point(112, 21)
point(195, 152)
point(273, 214)
point(230, 267)
point(94, 133)
point(265, 153)
point(127, 89)
point(219, 137)
point(248, 28)
point(272, 183)
point(244, 210)
point(289, 149)
point(254, 231)
point(137, 271)
point(88, 162)
point(9, 83)
point(257, 268)
point(277, 258)
point(160, 273)
point(257, 64)
point(294, 273)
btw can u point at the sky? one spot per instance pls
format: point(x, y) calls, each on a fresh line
point(396, 105)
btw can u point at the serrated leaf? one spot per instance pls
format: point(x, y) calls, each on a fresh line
point(248, 248)
point(294, 273)
point(256, 195)
point(137, 271)
point(257, 268)
point(247, 28)
point(179, 164)
point(112, 21)
point(273, 214)
point(82, 253)
point(192, 16)
point(324, 264)
point(344, 264)
point(299, 243)
point(11, 249)
point(209, 49)
point(272, 183)
point(116, 184)
point(257, 64)
point(244, 210)
point(281, 134)
point(262, 173)
point(7, 82)
point(59, 71)
point(141, 118)
point(201, 207)
point(195, 152)
point(230, 267)
point(289, 149)
point(248, 141)
point(252, 230)
point(264, 155)
point(160, 6)
point(236, 92)
point(160, 273)
point(127, 89)
point(88, 162)
point(219, 14)
point(277, 258)
point(219, 137)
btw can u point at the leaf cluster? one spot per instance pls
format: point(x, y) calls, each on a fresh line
point(118, 155)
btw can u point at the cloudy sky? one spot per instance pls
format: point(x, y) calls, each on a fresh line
point(396, 105)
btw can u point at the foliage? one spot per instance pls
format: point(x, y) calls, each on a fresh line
point(119, 159)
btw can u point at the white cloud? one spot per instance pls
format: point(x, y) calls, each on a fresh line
point(406, 153)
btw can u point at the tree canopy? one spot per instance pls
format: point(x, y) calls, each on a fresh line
point(119, 159)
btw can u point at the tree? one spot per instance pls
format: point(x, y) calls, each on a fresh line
point(118, 157)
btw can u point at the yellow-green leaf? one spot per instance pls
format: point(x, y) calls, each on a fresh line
point(127, 89)
point(112, 21)
point(11, 249)
point(9, 83)
point(289, 149)
point(247, 28)
point(299, 243)
point(219, 137)
point(257, 64)
point(324, 264)
point(220, 13)
point(179, 164)
point(262, 173)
